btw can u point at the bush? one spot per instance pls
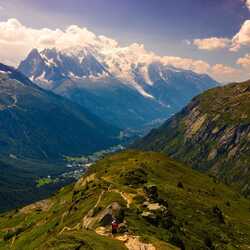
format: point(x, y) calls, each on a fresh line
point(208, 243)
point(219, 214)
point(139, 199)
point(180, 185)
point(152, 192)
point(134, 177)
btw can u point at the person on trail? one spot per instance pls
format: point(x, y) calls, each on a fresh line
point(115, 226)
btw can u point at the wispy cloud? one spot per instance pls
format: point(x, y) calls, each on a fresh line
point(212, 43)
point(244, 62)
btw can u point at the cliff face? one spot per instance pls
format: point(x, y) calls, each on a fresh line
point(212, 134)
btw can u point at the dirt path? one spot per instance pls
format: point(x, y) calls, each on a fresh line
point(133, 243)
point(89, 220)
point(130, 241)
point(126, 196)
point(75, 228)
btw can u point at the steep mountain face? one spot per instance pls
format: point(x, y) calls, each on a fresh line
point(160, 204)
point(37, 130)
point(39, 124)
point(119, 86)
point(211, 134)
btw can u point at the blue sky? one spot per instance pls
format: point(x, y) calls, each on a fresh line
point(166, 27)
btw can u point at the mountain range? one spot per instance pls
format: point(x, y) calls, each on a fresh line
point(211, 134)
point(121, 87)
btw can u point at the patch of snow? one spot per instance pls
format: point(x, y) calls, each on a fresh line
point(5, 72)
point(42, 78)
point(164, 105)
point(142, 91)
point(51, 62)
point(59, 58)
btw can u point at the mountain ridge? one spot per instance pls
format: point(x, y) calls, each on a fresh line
point(37, 130)
point(211, 134)
point(147, 192)
point(101, 79)
point(19, 94)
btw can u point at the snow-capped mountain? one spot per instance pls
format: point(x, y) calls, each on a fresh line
point(129, 86)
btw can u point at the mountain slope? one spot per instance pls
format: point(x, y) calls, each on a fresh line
point(18, 181)
point(37, 130)
point(122, 87)
point(169, 205)
point(211, 134)
point(38, 124)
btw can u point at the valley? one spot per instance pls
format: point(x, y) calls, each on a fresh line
point(77, 166)
point(124, 125)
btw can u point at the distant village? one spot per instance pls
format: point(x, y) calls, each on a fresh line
point(79, 166)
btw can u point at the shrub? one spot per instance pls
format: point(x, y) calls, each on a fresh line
point(134, 177)
point(180, 185)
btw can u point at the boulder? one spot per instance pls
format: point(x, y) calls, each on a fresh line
point(156, 207)
point(150, 217)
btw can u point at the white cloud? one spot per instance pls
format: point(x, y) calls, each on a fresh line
point(17, 40)
point(225, 73)
point(242, 38)
point(198, 66)
point(212, 43)
point(244, 62)
point(247, 4)
point(187, 42)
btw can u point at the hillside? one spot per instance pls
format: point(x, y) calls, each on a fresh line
point(128, 88)
point(37, 130)
point(38, 124)
point(167, 204)
point(18, 181)
point(211, 134)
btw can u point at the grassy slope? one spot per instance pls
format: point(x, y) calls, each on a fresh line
point(193, 220)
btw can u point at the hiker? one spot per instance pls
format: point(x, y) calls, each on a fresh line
point(114, 227)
